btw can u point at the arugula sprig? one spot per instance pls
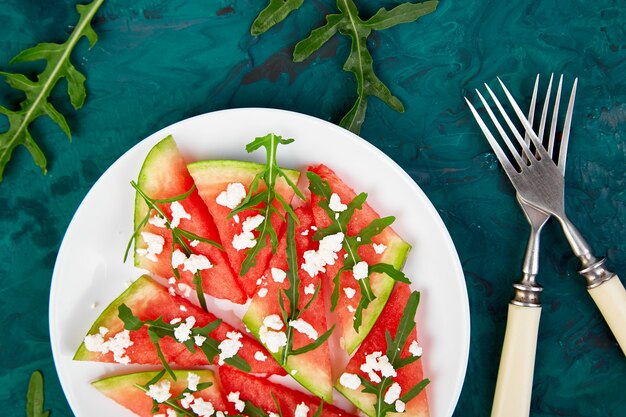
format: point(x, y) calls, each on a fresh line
point(254, 197)
point(351, 244)
point(293, 296)
point(158, 329)
point(173, 402)
point(36, 104)
point(395, 346)
point(275, 12)
point(34, 396)
point(180, 236)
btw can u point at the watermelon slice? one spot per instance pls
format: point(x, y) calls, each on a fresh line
point(149, 300)
point(394, 253)
point(407, 376)
point(123, 390)
point(312, 369)
point(212, 178)
point(261, 392)
point(164, 175)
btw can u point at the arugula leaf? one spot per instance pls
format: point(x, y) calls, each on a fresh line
point(269, 176)
point(275, 12)
point(35, 396)
point(36, 104)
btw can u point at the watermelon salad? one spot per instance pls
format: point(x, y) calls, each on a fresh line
point(308, 280)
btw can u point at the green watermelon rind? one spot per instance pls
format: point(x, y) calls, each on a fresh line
point(111, 312)
point(395, 254)
point(253, 322)
point(112, 382)
point(236, 166)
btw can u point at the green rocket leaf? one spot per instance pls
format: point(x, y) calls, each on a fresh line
point(36, 104)
point(274, 13)
point(34, 396)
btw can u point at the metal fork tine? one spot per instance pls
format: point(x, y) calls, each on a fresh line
point(555, 117)
point(544, 111)
point(509, 122)
point(501, 130)
point(529, 129)
point(566, 129)
point(504, 161)
point(531, 114)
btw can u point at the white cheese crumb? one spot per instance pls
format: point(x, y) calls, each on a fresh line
point(233, 196)
point(360, 270)
point(294, 372)
point(186, 401)
point(230, 346)
point(260, 356)
point(185, 289)
point(371, 365)
point(116, 344)
point(314, 228)
point(171, 281)
point(236, 218)
point(278, 275)
point(157, 221)
point(171, 413)
point(199, 340)
point(262, 292)
point(259, 281)
point(271, 414)
point(273, 321)
point(176, 320)
point(183, 331)
point(400, 406)
point(305, 232)
point(309, 289)
point(393, 393)
point(218, 414)
point(244, 240)
point(194, 243)
point(358, 238)
point(178, 213)
point(304, 328)
point(415, 349)
point(172, 291)
point(316, 260)
point(351, 309)
point(272, 339)
point(160, 392)
point(301, 410)
point(192, 381)
point(103, 330)
point(350, 381)
point(155, 246)
point(345, 255)
point(252, 223)
point(202, 408)
point(178, 258)
point(335, 204)
point(379, 248)
point(233, 397)
point(350, 292)
point(183, 308)
point(197, 263)
point(386, 368)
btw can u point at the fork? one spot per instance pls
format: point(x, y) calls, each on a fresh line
point(540, 183)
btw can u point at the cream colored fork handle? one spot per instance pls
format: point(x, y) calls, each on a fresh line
point(517, 363)
point(610, 297)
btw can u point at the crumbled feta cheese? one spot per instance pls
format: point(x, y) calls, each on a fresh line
point(155, 246)
point(194, 243)
point(183, 308)
point(305, 232)
point(358, 238)
point(171, 413)
point(262, 292)
point(229, 346)
point(233, 397)
point(197, 263)
point(160, 392)
point(400, 406)
point(186, 401)
point(360, 270)
point(202, 408)
point(386, 368)
point(271, 414)
point(199, 340)
point(116, 345)
point(350, 381)
point(309, 289)
point(379, 247)
point(178, 213)
point(273, 340)
point(350, 292)
point(176, 320)
point(351, 309)
point(393, 393)
point(103, 330)
point(415, 349)
point(278, 275)
point(157, 221)
point(236, 218)
point(233, 196)
point(260, 356)
point(192, 381)
point(172, 291)
point(171, 281)
point(301, 410)
point(183, 331)
point(244, 240)
point(314, 228)
point(316, 260)
point(304, 328)
point(335, 204)
point(273, 321)
point(220, 414)
point(178, 258)
point(252, 223)
point(185, 289)
point(259, 281)
point(371, 365)
point(294, 372)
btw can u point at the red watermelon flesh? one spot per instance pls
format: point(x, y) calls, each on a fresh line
point(259, 391)
point(123, 390)
point(149, 300)
point(312, 369)
point(212, 178)
point(407, 377)
point(394, 254)
point(164, 175)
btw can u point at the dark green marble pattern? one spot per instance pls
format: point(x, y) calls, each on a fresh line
point(160, 61)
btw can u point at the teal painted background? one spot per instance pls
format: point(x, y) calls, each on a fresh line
point(158, 62)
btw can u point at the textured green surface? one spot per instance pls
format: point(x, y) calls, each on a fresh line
point(160, 61)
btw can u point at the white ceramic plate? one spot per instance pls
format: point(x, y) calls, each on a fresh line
point(89, 266)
